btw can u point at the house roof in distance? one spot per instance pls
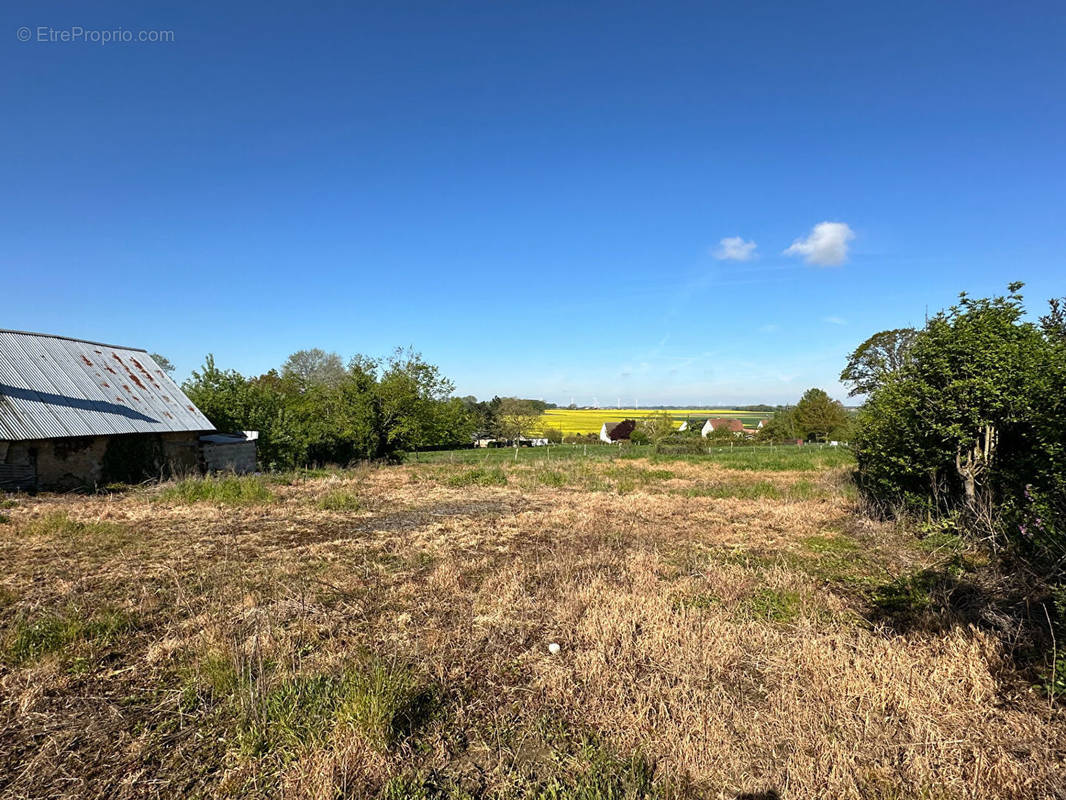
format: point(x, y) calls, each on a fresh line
point(734, 425)
point(619, 429)
point(54, 386)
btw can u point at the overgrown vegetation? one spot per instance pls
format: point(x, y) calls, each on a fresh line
point(340, 500)
point(235, 490)
point(722, 630)
point(965, 431)
point(974, 421)
point(315, 410)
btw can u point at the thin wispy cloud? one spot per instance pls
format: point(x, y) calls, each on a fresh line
point(769, 328)
point(835, 320)
point(825, 246)
point(734, 248)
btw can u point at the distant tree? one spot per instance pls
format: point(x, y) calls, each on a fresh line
point(482, 414)
point(553, 435)
point(516, 418)
point(164, 363)
point(657, 427)
point(976, 420)
point(818, 415)
point(316, 367)
point(781, 427)
point(881, 355)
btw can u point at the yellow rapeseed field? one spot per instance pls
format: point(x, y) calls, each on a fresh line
point(590, 420)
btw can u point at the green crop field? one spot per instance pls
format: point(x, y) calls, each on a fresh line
point(590, 420)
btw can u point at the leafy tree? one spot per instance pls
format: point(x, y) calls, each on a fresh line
point(516, 418)
point(657, 428)
point(818, 415)
point(315, 367)
point(408, 390)
point(553, 435)
point(881, 355)
point(975, 421)
point(164, 363)
point(311, 414)
point(483, 414)
point(781, 427)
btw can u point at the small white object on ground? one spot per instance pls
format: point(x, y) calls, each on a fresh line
point(554, 649)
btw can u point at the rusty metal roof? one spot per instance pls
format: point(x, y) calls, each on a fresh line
point(53, 386)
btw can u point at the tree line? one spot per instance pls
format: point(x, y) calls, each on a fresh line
point(316, 409)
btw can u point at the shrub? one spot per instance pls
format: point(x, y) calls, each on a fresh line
point(553, 435)
point(975, 421)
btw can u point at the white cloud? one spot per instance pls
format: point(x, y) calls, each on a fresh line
point(826, 245)
point(835, 320)
point(734, 248)
point(769, 328)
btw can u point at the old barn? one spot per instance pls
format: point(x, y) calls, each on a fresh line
point(76, 414)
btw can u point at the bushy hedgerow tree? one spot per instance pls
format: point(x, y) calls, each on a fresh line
point(316, 411)
point(975, 423)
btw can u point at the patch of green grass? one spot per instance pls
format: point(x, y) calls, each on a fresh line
point(596, 773)
point(479, 476)
point(928, 599)
point(59, 524)
point(748, 491)
point(292, 477)
point(629, 478)
point(297, 713)
point(743, 456)
point(4, 519)
point(578, 765)
point(830, 544)
point(773, 605)
point(31, 639)
point(233, 490)
point(809, 458)
point(340, 500)
point(8, 503)
point(383, 703)
point(386, 704)
point(552, 477)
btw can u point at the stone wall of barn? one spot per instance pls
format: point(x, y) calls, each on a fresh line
point(91, 461)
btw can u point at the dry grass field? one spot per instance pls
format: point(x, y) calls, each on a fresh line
point(384, 632)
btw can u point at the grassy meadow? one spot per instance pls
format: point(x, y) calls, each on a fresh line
point(728, 626)
point(585, 420)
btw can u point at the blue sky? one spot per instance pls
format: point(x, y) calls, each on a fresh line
point(532, 194)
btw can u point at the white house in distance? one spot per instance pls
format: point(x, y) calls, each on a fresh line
point(612, 432)
point(711, 425)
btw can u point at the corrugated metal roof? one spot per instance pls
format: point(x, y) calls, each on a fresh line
point(52, 386)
